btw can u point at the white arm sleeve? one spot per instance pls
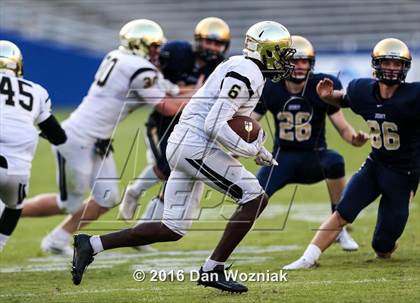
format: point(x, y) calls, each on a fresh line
point(45, 106)
point(146, 89)
point(223, 110)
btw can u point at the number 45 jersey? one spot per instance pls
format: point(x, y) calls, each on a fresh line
point(22, 104)
point(122, 83)
point(394, 123)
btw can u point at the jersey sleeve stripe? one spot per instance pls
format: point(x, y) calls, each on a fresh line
point(141, 70)
point(244, 79)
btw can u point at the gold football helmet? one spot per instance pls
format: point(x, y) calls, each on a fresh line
point(304, 50)
point(214, 29)
point(270, 44)
point(11, 58)
point(391, 48)
point(137, 36)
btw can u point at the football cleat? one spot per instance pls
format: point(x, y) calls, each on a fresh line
point(300, 263)
point(53, 246)
point(128, 205)
point(346, 241)
point(216, 278)
point(82, 257)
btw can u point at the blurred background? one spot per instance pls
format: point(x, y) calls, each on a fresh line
point(64, 41)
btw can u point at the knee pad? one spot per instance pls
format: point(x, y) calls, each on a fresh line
point(336, 170)
point(383, 244)
point(251, 189)
point(106, 193)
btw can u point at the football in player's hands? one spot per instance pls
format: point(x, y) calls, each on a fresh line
point(246, 127)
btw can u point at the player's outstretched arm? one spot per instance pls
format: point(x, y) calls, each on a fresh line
point(325, 90)
point(346, 131)
point(172, 105)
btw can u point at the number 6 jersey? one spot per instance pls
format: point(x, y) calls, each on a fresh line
point(394, 123)
point(22, 104)
point(122, 83)
point(233, 89)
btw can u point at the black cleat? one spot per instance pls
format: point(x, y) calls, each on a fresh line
point(217, 279)
point(82, 257)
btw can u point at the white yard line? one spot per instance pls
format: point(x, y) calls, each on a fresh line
point(147, 261)
point(289, 283)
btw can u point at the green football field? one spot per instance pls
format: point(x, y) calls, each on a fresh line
point(280, 236)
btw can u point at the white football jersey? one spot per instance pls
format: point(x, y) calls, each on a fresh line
point(111, 96)
point(238, 82)
point(22, 104)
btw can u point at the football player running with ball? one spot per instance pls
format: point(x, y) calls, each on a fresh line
point(196, 157)
point(188, 67)
point(126, 80)
point(391, 109)
point(300, 146)
point(22, 104)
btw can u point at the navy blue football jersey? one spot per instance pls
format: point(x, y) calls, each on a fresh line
point(294, 129)
point(394, 123)
point(179, 65)
point(177, 61)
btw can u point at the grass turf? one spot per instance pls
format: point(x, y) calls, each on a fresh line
point(29, 275)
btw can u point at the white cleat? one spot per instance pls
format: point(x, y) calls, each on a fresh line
point(300, 263)
point(145, 249)
point(346, 241)
point(56, 247)
point(128, 205)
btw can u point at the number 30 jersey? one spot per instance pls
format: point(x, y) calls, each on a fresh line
point(122, 83)
point(394, 123)
point(22, 104)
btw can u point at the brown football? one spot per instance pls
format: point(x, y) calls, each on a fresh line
point(246, 127)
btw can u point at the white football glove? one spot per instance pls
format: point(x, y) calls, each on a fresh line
point(247, 150)
point(265, 158)
point(260, 139)
point(169, 87)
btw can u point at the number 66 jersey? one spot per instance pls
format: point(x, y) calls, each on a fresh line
point(394, 123)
